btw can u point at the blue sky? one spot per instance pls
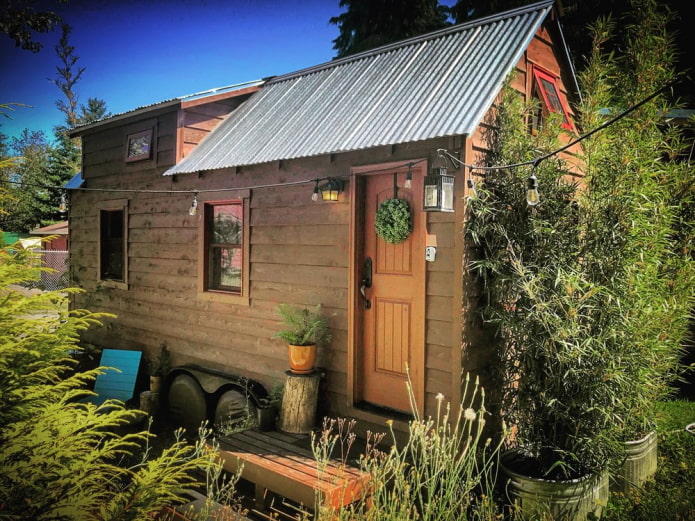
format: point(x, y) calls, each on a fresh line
point(138, 52)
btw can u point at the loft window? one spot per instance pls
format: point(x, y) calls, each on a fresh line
point(112, 244)
point(224, 247)
point(546, 90)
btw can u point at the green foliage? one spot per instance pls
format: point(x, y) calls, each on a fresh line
point(303, 326)
point(669, 495)
point(367, 24)
point(29, 203)
point(20, 21)
point(444, 471)
point(591, 290)
point(393, 221)
point(62, 458)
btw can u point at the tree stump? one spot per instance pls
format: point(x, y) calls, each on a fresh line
point(149, 402)
point(299, 399)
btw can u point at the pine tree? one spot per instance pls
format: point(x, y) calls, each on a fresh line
point(368, 24)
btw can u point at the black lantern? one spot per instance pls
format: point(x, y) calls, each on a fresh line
point(331, 189)
point(439, 191)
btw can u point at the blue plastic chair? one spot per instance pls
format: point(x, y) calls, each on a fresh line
point(114, 384)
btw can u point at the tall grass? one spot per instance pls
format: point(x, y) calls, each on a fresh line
point(444, 471)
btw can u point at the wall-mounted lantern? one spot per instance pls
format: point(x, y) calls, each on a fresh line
point(439, 191)
point(331, 189)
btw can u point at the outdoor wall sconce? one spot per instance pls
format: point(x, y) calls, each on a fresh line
point(438, 191)
point(331, 189)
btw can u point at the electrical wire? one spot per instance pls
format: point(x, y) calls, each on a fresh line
point(536, 161)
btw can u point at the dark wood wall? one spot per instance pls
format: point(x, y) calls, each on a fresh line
point(299, 253)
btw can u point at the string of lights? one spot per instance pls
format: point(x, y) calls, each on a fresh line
point(532, 196)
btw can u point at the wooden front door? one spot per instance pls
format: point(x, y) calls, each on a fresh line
point(393, 305)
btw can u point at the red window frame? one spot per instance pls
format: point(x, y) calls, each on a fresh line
point(546, 85)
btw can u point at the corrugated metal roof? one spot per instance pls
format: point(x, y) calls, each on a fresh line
point(75, 131)
point(439, 84)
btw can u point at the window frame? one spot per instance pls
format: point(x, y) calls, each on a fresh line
point(147, 136)
point(206, 202)
point(117, 205)
point(539, 88)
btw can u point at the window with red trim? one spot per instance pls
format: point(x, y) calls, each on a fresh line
point(546, 89)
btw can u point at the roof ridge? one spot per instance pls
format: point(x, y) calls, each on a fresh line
point(543, 4)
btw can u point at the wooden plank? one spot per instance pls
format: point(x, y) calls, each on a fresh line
point(307, 234)
point(326, 256)
point(291, 471)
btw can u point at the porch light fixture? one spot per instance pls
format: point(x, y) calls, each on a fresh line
point(193, 210)
point(532, 198)
point(331, 189)
point(438, 191)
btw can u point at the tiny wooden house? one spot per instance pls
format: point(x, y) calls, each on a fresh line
point(200, 218)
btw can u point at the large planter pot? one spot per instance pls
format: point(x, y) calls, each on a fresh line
point(265, 417)
point(564, 500)
point(302, 358)
point(639, 465)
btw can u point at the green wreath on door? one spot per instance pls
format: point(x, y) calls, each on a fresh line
point(394, 220)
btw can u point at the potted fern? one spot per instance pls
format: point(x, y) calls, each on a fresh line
point(304, 329)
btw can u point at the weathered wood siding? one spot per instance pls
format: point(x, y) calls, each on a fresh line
point(299, 253)
point(198, 119)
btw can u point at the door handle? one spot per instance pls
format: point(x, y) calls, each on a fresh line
point(363, 292)
point(366, 282)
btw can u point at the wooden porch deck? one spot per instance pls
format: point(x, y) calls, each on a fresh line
point(274, 462)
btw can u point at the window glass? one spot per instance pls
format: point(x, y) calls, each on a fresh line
point(112, 244)
point(224, 248)
point(546, 90)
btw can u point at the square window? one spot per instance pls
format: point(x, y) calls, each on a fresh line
point(138, 146)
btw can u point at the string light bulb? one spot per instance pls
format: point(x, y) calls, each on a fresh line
point(532, 198)
point(471, 187)
point(315, 194)
point(193, 210)
point(63, 203)
point(408, 177)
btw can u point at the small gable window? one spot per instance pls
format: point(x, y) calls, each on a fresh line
point(545, 89)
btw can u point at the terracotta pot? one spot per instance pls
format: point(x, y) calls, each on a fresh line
point(302, 358)
point(564, 500)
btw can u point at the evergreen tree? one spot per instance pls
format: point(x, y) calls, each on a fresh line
point(368, 24)
point(30, 201)
point(19, 20)
point(60, 458)
point(66, 158)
